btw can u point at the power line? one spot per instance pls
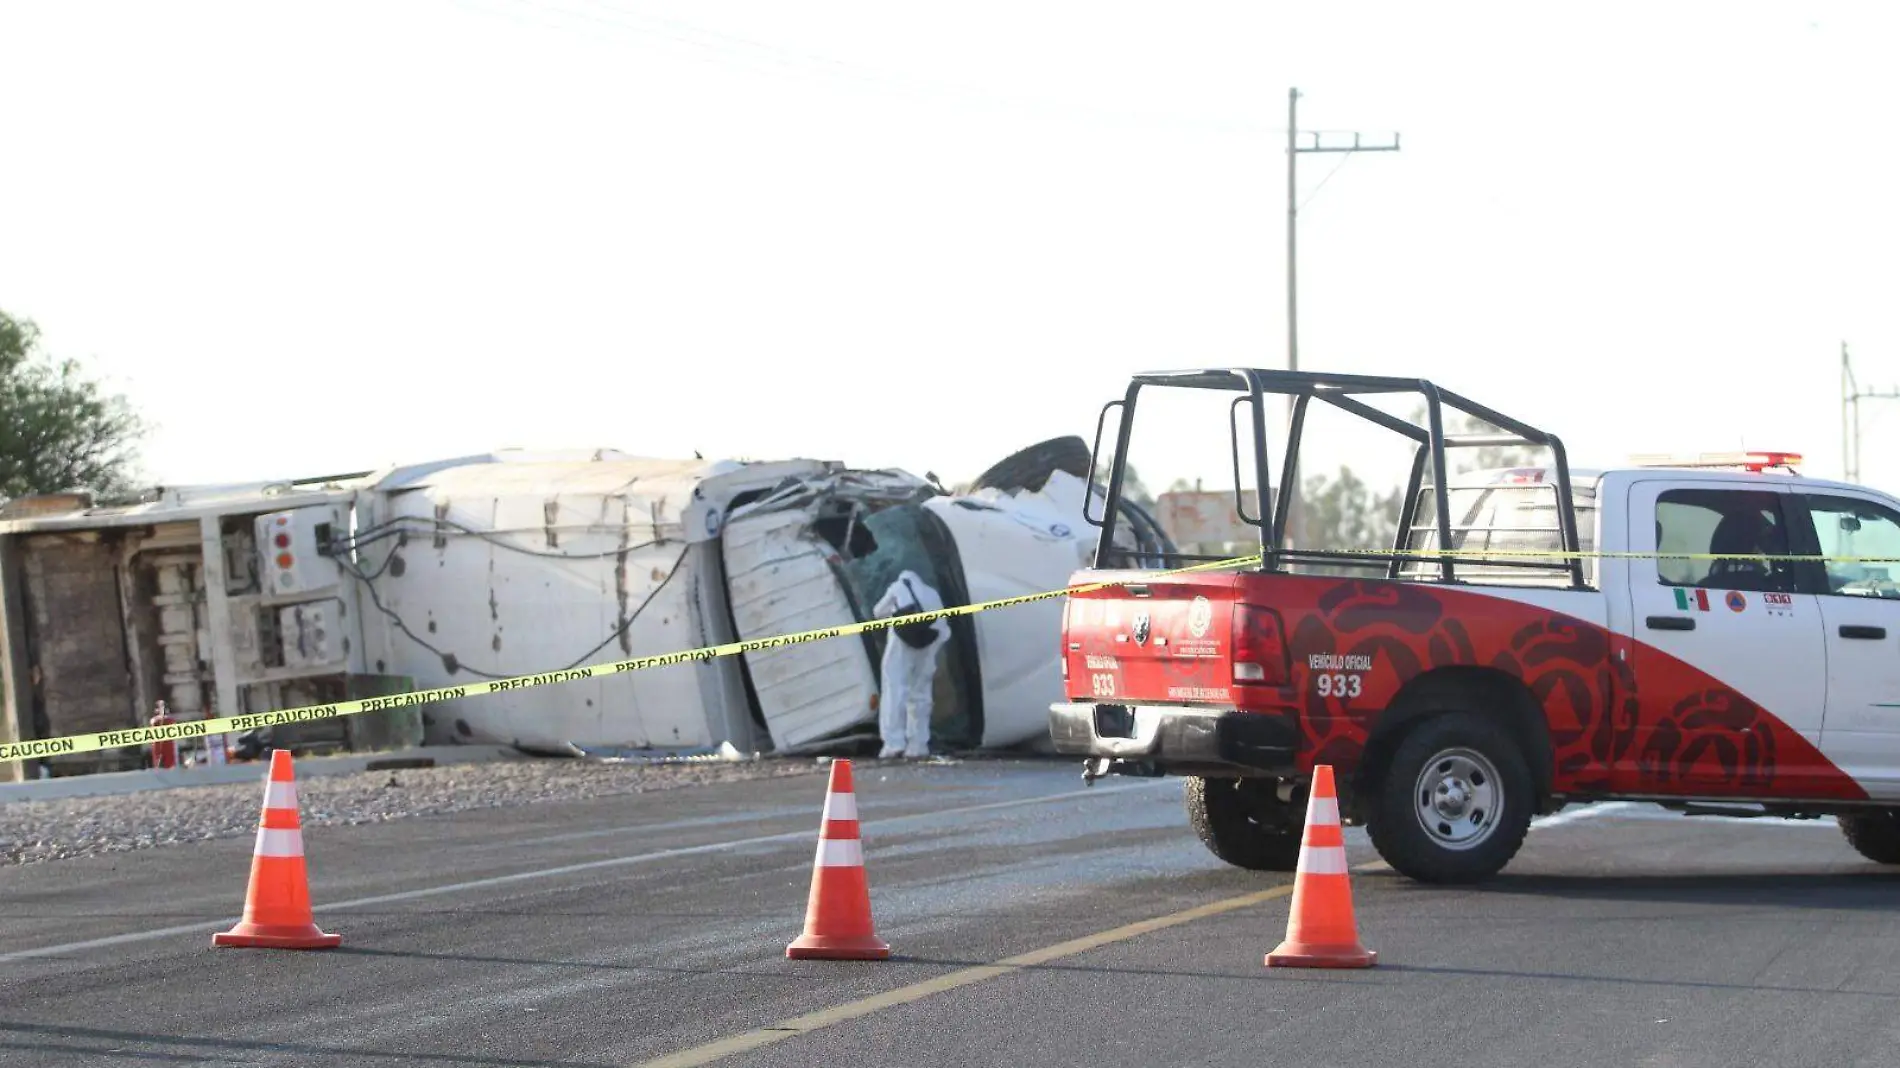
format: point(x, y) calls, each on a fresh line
point(762, 57)
point(1322, 182)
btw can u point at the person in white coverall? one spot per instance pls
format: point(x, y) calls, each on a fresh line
point(910, 670)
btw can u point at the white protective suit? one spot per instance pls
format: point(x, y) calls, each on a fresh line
point(904, 704)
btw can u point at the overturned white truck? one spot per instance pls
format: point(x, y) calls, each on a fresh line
point(510, 564)
point(227, 599)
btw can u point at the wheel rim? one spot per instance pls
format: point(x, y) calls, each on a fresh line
point(1458, 798)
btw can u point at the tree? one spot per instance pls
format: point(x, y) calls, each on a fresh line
point(1133, 491)
point(1342, 512)
point(58, 429)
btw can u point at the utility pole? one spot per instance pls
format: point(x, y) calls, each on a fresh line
point(1295, 149)
point(1851, 396)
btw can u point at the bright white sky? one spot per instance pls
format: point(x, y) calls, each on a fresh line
point(308, 238)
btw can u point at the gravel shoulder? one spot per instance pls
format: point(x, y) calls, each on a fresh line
point(39, 831)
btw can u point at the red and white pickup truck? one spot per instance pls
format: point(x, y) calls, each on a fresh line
point(1671, 645)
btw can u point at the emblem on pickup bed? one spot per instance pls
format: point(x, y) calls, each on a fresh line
point(1141, 627)
point(1200, 615)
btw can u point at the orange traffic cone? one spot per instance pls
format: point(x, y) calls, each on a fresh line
point(1320, 930)
point(277, 901)
point(838, 913)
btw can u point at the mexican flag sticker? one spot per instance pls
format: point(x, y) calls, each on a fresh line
point(1696, 599)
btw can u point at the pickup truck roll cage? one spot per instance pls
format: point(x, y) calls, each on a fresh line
point(1341, 391)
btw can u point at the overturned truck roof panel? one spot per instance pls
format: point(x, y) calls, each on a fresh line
point(497, 568)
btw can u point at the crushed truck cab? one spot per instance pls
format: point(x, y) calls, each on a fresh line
point(1717, 635)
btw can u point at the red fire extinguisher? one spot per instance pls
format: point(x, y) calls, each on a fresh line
point(164, 753)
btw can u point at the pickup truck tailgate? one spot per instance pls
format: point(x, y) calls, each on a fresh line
point(1151, 640)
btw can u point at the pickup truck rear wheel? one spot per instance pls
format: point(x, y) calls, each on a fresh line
point(1874, 835)
point(1455, 802)
point(1243, 822)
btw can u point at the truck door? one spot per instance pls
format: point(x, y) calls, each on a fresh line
point(1727, 655)
point(1860, 614)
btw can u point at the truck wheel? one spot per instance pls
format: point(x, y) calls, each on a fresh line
point(1243, 823)
point(1455, 802)
point(1874, 835)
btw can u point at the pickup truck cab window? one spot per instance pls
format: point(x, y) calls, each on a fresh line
point(1845, 529)
point(1495, 521)
point(1701, 524)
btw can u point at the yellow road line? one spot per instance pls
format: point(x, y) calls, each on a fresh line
point(851, 1010)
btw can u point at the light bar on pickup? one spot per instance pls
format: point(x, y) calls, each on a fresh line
point(1754, 462)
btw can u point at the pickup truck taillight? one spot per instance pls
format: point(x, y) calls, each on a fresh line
point(1259, 646)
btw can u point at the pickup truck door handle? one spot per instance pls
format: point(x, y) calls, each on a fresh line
point(1670, 623)
point(1851, 630)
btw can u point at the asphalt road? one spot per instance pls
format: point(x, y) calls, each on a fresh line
point(624, 931)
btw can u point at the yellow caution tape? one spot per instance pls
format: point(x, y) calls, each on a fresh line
point(135, 736)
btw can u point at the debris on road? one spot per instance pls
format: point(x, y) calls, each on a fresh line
point(723, 753)
point(34, 831)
